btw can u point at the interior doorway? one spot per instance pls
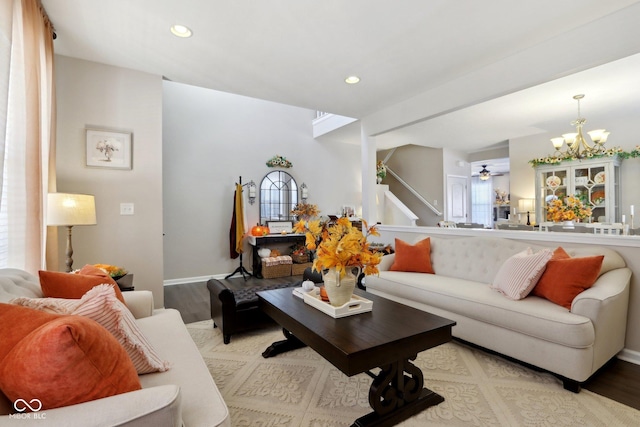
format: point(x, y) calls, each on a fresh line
point(457, 199)
point(490, 197)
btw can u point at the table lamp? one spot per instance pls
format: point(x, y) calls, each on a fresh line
point(65, 209)
point(527, 205)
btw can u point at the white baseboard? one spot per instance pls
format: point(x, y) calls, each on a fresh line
point(171, 282)
point(629, 356)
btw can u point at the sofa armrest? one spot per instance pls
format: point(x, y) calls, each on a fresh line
point(154, 406)
point(606, 303)
point(612, 285)
point(386, 262)
point(140, 303)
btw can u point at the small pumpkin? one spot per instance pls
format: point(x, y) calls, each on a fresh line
point(259, 230)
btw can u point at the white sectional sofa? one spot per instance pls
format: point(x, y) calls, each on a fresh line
point(185, 395)
point(572, 344)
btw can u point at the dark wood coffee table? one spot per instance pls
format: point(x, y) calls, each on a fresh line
point(389, 338)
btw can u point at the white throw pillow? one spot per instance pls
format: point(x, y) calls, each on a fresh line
point(520, 273)
point(100, 304)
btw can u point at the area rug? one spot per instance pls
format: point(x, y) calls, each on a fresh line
point(300, 388)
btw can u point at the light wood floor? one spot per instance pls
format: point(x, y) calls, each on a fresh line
point(618, 380)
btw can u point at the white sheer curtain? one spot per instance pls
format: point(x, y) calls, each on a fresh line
point(27, 132)
point(481, 201)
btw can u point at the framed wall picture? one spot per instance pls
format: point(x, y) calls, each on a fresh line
point(108, 149)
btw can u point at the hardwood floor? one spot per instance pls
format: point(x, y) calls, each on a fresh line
point(191, 300)
point(618, 380)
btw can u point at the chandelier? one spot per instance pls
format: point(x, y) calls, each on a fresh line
point(484, 173)
point(577, 146)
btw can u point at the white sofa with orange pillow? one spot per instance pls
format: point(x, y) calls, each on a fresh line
point(182, 395)
point(485, 287)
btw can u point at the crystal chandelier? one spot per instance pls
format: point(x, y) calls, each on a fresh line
point(577, 146)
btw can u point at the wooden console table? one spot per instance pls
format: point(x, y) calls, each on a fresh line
point(258, 242)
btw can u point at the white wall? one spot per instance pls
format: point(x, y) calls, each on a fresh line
point(105, 97)
point(210, 139)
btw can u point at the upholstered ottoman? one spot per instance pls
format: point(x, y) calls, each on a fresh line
point(236, 310)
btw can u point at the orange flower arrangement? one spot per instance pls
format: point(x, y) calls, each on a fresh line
point(567, 209)
point(341, 245)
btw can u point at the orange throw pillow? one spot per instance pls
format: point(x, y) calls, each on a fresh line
point(18, 322)
point(68, 360)
point(566, 277)
point(55, 284)
point(413, 258)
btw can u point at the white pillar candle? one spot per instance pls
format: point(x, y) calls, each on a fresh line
point(624, 219)
point(631, 210)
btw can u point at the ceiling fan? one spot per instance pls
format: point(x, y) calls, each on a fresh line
point(485, 173)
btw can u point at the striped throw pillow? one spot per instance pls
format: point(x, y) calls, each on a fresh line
point(101, 305)
point(520, 273)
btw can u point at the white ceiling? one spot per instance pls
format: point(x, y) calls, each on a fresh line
point(407, 53)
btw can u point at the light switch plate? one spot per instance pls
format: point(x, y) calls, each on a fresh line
point(126, 208)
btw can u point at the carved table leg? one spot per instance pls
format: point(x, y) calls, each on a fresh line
point(288, 344)
point(396, 394)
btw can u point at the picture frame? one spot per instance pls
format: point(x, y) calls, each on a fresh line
point(108, 149)
point(279, 227)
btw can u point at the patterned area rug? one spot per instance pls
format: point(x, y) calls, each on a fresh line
point(300, 388)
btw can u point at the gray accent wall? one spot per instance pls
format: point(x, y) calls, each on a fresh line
point(100, 96)
point(421, 168)
point(210, 139)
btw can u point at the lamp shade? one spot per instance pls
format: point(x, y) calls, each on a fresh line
point(70, 209)
point(526, 205)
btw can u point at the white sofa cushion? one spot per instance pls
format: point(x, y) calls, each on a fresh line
point(532, 316)
point(201, 399)
point(18, 283)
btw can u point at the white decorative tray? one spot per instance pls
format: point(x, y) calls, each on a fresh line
point(357, 305)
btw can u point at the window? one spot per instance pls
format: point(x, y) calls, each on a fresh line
point(481, 201)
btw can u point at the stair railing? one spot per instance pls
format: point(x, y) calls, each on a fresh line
point(414, 192)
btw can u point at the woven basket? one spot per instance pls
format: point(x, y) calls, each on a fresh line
point(300, 259)
point(297, 269)
point(273, 271)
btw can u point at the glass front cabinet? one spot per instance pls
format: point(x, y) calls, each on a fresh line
point(595, 182)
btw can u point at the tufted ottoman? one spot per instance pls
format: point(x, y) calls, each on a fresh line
point(236, 310)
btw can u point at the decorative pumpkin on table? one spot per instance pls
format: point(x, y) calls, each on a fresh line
point(259, 230)
point(342, 248)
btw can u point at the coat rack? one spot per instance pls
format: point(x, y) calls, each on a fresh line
point(232, 232)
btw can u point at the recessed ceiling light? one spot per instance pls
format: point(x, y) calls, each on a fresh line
point(352, 80)
point(180, 31)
